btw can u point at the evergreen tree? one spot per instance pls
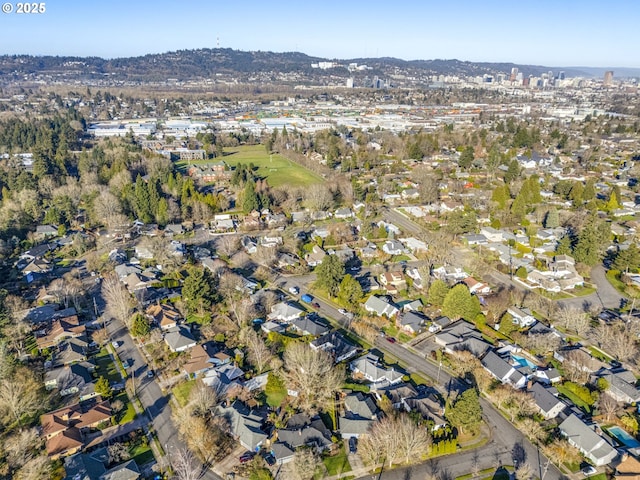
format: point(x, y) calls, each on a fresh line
point(564, 246)
point(142, 201)
point(466, 411)
point(501, 196)
point(459, 303)
point(103, 388)
point(591, 241)
point(350, 292)
point(513, 171)
point(197, 290)
point(140, 326)
point(552, 219)
point(250, 200)
point(329, 274)
point(627, 260)
point(466, 158)
point(589, 192)
point(577, 194)
point(437, 293)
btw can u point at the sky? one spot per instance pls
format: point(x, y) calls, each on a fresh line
point(593, 33)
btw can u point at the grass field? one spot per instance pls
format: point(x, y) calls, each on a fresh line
point(182, 391)
point(338, 463)
point(128, 414)
point(275, 168)
point(574, 398)
point(106, 367)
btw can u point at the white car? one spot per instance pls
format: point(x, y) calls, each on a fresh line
point(294, 290)
point(342, 311)
point(115, 344)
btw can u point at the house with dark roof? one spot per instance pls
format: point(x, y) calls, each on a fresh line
point(462, 335)
point(70, 380)
point(370, 368)
point(411, 322)
point(335, 344)
point(549, 405)
point(585, 439)
point(315, 436)
point(622, 385)
point(125, 471)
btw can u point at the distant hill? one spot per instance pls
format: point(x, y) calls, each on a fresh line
point(205, 63)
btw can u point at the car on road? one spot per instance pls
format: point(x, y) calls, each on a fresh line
point(294, 290)
point(315, 305)
point(588, 470)
point(150, 374)
point(247, 457)
point(115, 344)
point(353, 445)
point(342, 311)
point(125, 364)
point(391, 340)
point(306, 298)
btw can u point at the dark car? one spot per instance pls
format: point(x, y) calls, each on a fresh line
point(391, 340)
point(353, 445)
point(315, 305)
point(247, 457)
point(270, 459)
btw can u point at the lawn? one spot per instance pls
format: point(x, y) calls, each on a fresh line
point(574, 398)
point(275, 395)
point(128, 413)
point(614, 279)
point(142, 454)
point(182, 391)
point(275, 168)
point(337, 464)
point(106, 367)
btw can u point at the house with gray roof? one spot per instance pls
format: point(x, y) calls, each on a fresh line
point(353, 427)
point(622, 385)
point(370, 368)
point(179, 339)
point(549, 405)
point(310, 326)
point(502, 370)
point(411, 322)
point(380, 306)
point(315, 436)
point(70, 380)
point(585, 439)
point(245, 424)
point(285, 312)
point(361, 405)
point(126, 471)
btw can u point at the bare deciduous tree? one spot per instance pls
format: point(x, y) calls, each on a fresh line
point(118, 452)
point(117, 299)
point(107, 209)
point(574, 320)
point(313, 375)
point(318, 197)
point(259, 354)
point(21, 447)
point(185, 465)
point(19, 394)
point(524, 472)
point(202, 400)
point(227, 245)
point(618, 340)
point(608, 406)
point(576, 366)
point(533, 429)
point(305, 464)
point(395, 439)
point(35, 469)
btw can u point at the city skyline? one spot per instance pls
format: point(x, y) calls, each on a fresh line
point(573, 33)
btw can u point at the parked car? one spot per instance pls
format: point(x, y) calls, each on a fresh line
point(342, 311)
point(391, 340)
point(589, 470)
point(115, 344)
point(247, 457)
point(150, 374)
point(294, 290)
point(353, 445)
point(306, 298)
point(270, 459)
point(125, 364)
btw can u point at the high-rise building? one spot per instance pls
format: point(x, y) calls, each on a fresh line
point(350, 82)
point(514, 74)
point(561, 76)
point(608, 78)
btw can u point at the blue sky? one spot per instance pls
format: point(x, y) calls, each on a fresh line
point(552, 33)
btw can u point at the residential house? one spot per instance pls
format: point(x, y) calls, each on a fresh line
point(521, 316)
point(37, 266)
point(310, 326)
point(335, 344)
point(71, 380)
point(462, 335)
point(476, 287)
point(164, 315)
point(313, 435)
point(411, 322)
point(64, 429)
point(360, 413)
point(429, 404)
point(414, 245)
point(370, 368)
point(39, 251)
point(143, 253)
point(622, 385)
point(579, 358)
point(549, 404)
point(204, 357)
point(285, 312)
point(125, 471)
point(585, 439)
point(343, 213)
point(492, 234)
point(547, 376)
point(393, 247)
point(502, 370)
point(46, 231)
point(245, 424)
point(414, 274)
point(249, 244)
point(380, 306)
point(86, 466)
point(393, 282)
point(439, 323)
point(58, 330)
point(179, 338)
point(397, 394)
point(315, 257)
point(174, 229)
point(449, 273)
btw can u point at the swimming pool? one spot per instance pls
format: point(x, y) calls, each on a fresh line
point(523, 362)
point(623, 437)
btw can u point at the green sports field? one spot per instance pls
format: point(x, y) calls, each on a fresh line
point(275, 168)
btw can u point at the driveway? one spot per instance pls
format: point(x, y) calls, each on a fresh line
point(605, 295)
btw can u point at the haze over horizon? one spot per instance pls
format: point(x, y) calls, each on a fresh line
point(571, 33)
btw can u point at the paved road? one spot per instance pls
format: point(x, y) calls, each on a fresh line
point(407, 225)
point(506, 445)
point(605, 296)
point(156, 404)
